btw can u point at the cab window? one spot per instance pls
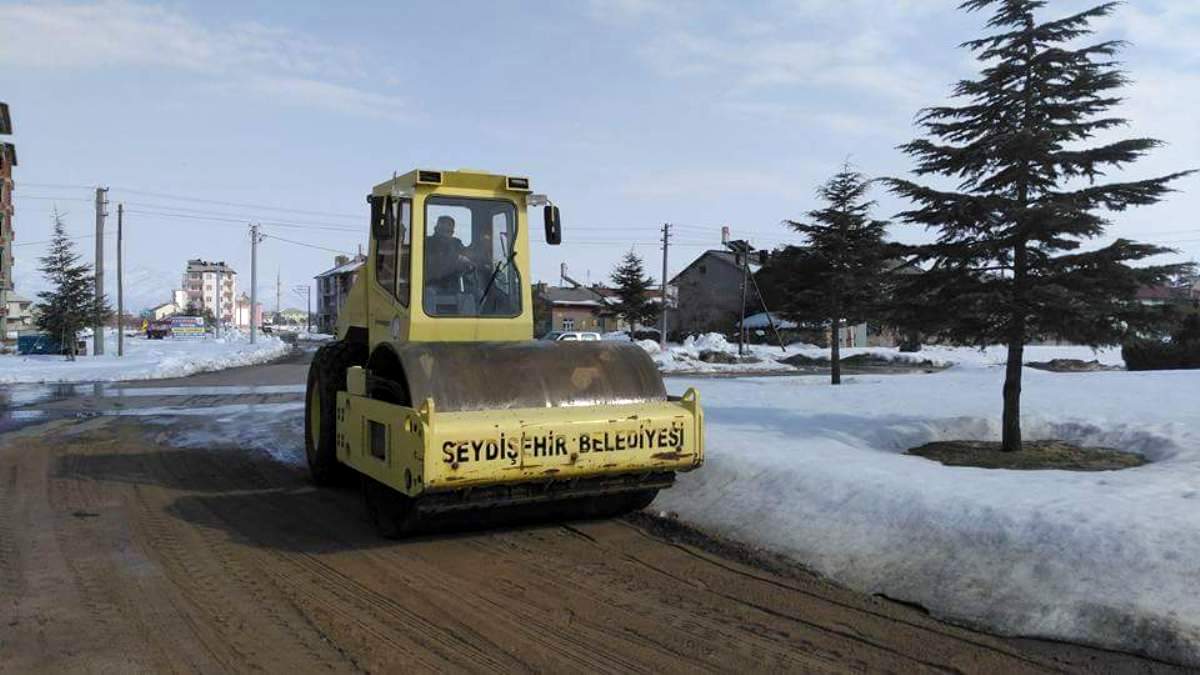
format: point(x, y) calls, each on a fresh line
point(404, 258)
point(468, 258)
point(385, 247)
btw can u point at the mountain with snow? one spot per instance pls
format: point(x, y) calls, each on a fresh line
point(145, 287)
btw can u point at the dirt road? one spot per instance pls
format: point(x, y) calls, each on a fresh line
point(121, 552)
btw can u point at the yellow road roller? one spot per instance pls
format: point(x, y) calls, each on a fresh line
point(436, 397)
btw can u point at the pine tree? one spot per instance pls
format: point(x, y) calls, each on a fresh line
point(70, 304)
point(838, 276)
point(1007, 264)
point(633, 293)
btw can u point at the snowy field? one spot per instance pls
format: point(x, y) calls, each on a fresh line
point(144, 360)
point(815, 472)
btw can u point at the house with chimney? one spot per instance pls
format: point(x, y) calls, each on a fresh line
point(333, 287)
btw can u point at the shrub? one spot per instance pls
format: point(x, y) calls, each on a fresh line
point(1157, 355)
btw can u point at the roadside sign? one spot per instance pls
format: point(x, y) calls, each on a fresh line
point(187, 327)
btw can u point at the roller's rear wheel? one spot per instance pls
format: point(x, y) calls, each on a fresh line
point(393, 514)
point(611, 506)
point(326, 377)
point(637, 501)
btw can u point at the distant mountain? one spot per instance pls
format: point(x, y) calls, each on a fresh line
point(145, 287)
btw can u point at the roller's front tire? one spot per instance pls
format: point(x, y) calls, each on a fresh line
point(326, 377)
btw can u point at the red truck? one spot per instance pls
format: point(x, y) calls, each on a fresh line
point(157, 330)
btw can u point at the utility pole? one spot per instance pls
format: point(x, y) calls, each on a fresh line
point(742, 249)
point(97, 323)
point(277, 294)
point(255, 237)
point(767, 311)
point(217, 302)
point(120, 281)
point(662, 334)
point(745, 285)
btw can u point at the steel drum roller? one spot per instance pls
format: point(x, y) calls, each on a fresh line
point(469, 376)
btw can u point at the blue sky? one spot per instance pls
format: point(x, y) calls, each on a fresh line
point(629, 113)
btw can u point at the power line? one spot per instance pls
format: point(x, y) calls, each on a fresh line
point(52, 199)
point(243, 205)
point(56, 185)
point(304, 243)
point(48, 241)
point(242, 221)
point(242, 217)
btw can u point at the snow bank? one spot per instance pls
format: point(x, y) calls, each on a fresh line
point(144, 360)
point(816, 473)
point(685, 358)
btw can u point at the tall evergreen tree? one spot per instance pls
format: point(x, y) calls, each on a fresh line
point(633, 293)
point(70, 304)
point(837, 277)
point(1006, 265)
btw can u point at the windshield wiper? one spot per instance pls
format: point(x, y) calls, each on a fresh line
point(495, 272)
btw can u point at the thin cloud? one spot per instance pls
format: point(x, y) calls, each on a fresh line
point(269, 61)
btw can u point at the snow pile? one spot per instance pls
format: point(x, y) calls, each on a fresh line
point(303, 336)
point(144, 360)
point(816, 473)
point(709, 342)
point(652, 348)
point(685, 358)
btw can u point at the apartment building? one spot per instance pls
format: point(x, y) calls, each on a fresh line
point(204, 280)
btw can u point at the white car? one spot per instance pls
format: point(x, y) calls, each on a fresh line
point(572, 336)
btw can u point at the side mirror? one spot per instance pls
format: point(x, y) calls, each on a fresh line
point(383, 219)
point(553, 225)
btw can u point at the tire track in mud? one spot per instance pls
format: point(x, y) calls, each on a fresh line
point(519, 624)
point(10, 554)
point(322, 591)
point(837, 617)
point(694, 623)
point(236, 607)
point(880, 616)
point(96, 544)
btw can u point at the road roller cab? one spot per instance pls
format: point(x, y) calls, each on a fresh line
point(436, 394)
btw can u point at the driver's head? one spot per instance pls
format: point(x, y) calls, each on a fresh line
point(444, 226)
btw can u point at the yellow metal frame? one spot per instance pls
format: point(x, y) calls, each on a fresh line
point(387, 319)
point(419, 450)
point(422, 450)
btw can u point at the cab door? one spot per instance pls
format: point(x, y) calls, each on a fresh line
point(390, 291)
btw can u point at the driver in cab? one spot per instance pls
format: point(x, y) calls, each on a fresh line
point(446, 257)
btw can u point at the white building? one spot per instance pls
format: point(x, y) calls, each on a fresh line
point(200, 285)
point(163, 311)
point(242, 314)
point(19, 312)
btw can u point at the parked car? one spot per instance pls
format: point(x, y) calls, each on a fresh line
point(571, 336)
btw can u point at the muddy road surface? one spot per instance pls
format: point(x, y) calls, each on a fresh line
point(170, 527)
